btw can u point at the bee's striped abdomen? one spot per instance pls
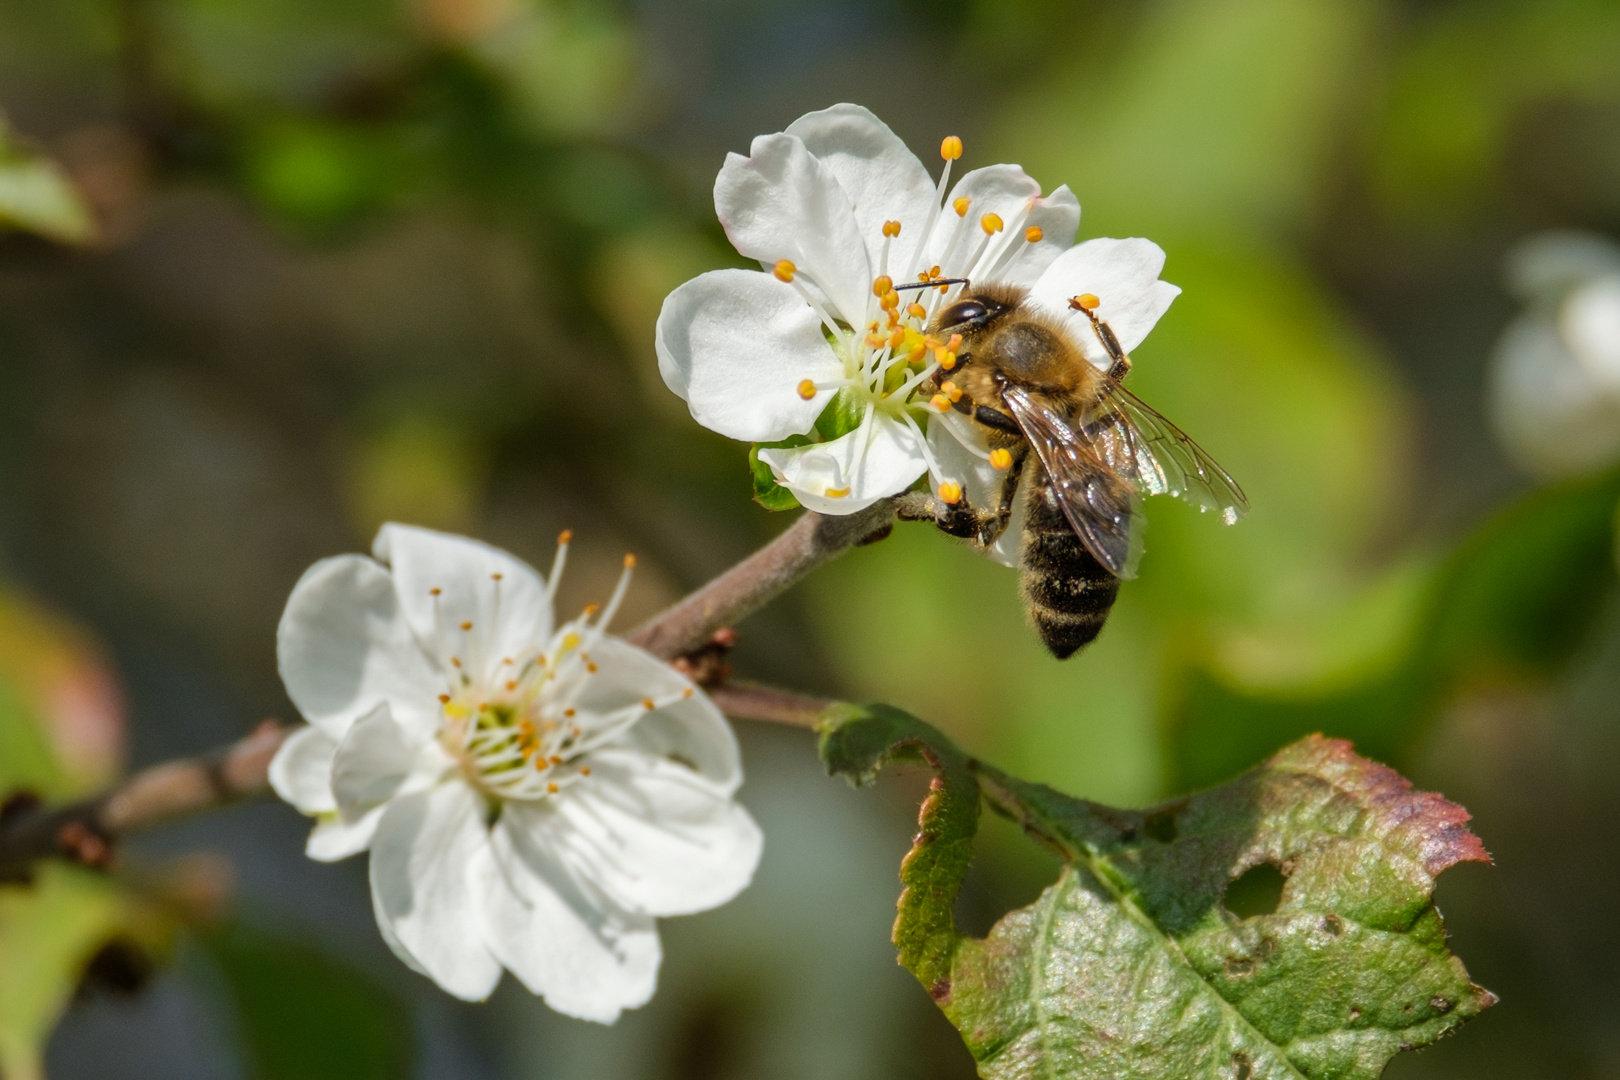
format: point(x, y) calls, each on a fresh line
point(1067, 591)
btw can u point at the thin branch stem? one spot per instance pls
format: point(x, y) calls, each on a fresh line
point(758, 579)
point(742, 700)
point(163, 793)
point(86, 830)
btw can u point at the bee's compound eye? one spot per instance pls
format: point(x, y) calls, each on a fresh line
point(963, 311)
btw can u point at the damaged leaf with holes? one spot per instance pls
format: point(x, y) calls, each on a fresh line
point(1134, 963)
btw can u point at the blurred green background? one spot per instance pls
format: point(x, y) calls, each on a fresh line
point(362, 260)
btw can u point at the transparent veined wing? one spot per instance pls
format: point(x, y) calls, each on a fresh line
point(1159, 458)
point(1099, 505)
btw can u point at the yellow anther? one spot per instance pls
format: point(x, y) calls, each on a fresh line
point(807, 389)
point(951, 148)
point(1085, 302)
point(629, 561)
point(836, 493)
point(785, 270)
point(933, 272)
point(584, 770)
point(647, 703)
point(455, 661)
point(444, 699)
point(555, 759)
point(590, 666)
point(552, 787)
point(891, 228)
point(510, 686)
point(568, 712)
point(435, 591)
point(875, 341)
point(890, 301)
point(952, 391)
point(1001, 458)
point(687, 692)
point(991, 224)
point(897, 339)
point(894, 319)
point(592, 609)
point(1033, 234)
point(916, 311)
point(496, 577)
point(883, 285)
point(961, 206)
point(570, 641)
point(948, 361)
point(950, 493)
point(565, 536)
point(955, 343)
point(940, 402)
point(466, 626)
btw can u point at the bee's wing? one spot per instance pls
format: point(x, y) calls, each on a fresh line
point(1159, 457)
point(1098, 503)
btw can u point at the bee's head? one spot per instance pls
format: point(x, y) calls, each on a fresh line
point(975, 311)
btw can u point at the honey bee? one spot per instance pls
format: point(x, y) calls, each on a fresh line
point(1021, 376)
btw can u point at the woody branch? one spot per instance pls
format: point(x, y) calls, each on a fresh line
point(86, 831)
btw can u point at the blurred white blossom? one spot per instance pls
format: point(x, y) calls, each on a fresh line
point(1555, 377)
point(532, 796)
point(839, 212)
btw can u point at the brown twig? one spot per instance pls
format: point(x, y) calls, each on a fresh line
point(743, 700)
point(84, 831)
point(748, 586)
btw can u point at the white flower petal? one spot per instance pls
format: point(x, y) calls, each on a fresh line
point(880, 458)
point(371, 764)
point(735, 344)
point(563, 940)
point(423, 889)
point(343, 646)
point(782, 203)
point(657, 837)
point(883, 179)
point(1058, 217)
point(333, 838)
point(301, 771)
point(981, 482)
point(690, 728)
point(1549, 413)
point(500, 595)
point(1123, 275)
point(1589, 323)
point(1004, 190)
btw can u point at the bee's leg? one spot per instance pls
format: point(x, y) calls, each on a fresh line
point(1009, 496)
point(959, 519)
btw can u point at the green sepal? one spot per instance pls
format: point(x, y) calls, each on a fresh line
point(767, 492)
point(842, 415)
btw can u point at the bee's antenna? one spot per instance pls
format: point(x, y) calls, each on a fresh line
point(931, 284)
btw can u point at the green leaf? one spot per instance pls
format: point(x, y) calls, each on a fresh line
point(1513, 601)
point(1132, 963)
point(49, 931)
point(37, 197)
point(305, 1016)
point(767, 492)
point(856, 741)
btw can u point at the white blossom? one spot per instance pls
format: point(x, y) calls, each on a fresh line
point(838, 211)
point(1555, 374)
point(532, 795)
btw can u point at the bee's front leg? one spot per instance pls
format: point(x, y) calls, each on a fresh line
point(960, 518)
